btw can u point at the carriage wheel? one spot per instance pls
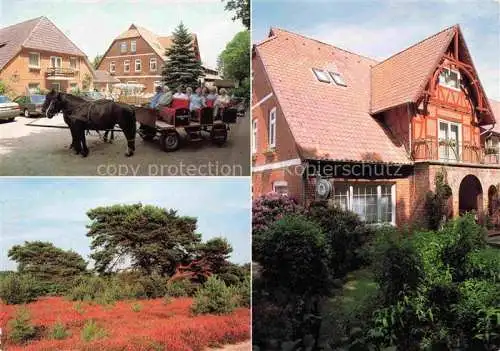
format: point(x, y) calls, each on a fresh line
point(169, 141)
point(219, 136)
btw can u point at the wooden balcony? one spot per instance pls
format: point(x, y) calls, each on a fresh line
point(60, 73)
point(448, 151)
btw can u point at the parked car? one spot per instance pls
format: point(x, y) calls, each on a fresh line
point(93, 95)
point(8, 109)
point(30, 104)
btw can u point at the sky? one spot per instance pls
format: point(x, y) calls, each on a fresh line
point(54, 209)
point(379, 29)
point(92, 24)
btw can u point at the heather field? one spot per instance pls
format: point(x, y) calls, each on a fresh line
point(132, 325)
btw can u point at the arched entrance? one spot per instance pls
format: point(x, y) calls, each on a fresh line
point(470, 196)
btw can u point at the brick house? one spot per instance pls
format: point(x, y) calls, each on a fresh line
point(35, 54)
point(137, 56)
point(371, 136)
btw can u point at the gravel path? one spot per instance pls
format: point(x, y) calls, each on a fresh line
point(246, 346)
point(38, 151)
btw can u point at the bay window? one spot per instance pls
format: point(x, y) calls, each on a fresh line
point(373, 203)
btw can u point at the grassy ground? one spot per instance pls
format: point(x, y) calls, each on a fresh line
point(343, 308)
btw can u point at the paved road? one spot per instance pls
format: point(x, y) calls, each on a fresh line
point(39, 151)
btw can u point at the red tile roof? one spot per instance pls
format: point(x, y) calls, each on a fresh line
point(158, 43)
point(327, 121)
point(401, 77)
point(37, 34)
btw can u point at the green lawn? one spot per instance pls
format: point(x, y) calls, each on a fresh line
point(342, 310)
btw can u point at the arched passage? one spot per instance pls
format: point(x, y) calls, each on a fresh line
point(470, 195)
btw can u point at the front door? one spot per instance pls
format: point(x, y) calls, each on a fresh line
point(56, 86)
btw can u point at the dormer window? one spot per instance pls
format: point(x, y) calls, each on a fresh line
point(321, 75)
point(123, 47)
point(450, 78)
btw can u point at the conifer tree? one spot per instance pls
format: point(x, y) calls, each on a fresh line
point(182, 66)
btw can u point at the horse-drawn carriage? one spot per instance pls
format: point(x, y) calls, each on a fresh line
point(167, 123)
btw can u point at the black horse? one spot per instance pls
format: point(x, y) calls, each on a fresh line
point(82, 115)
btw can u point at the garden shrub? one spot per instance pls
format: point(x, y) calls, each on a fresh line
point(436, 204)
point(18, 288)
point(346, 236)
point(266, 210)
point(294, 255)
point(92, 331)
point(214, 298)
point(484, 264)
point(398, 270)
point(21, 330)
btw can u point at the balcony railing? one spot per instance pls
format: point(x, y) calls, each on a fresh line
point(452, 152)
point(60, 72)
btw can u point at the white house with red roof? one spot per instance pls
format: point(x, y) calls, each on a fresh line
point(371, 136)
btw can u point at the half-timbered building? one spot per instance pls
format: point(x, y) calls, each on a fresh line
point(371, 136)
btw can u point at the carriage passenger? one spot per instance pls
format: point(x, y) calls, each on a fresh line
point(222, 101)
point(196, 100)
point(211, 97)
point(189, 92)
point(166, 98)
point(156, 98)
point(179, 94)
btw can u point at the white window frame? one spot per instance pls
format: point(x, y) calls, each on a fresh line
point(140, 65)
point(112, 67)
point(350, 200)
point(75, 59)
point(126, 66)
point(492, 142)
point(337, 78)
point(123, 47)
point(57, 84)
point(444, 83)
point(133, 46)
point(151, 61)
point(280, 184)
point(254, 136)
point(56, 57)
point(327, 79)
point(272, 128)
point(459, 141)
point(29, 56)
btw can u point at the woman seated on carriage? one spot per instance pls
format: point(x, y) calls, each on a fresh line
point(179, 94)
point(211, 97)
point(166, 99)
point(222, 101)
point(153, 104)
point(196, 101)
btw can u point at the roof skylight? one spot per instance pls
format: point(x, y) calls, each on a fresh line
point(338, 79)
point(321, 75)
